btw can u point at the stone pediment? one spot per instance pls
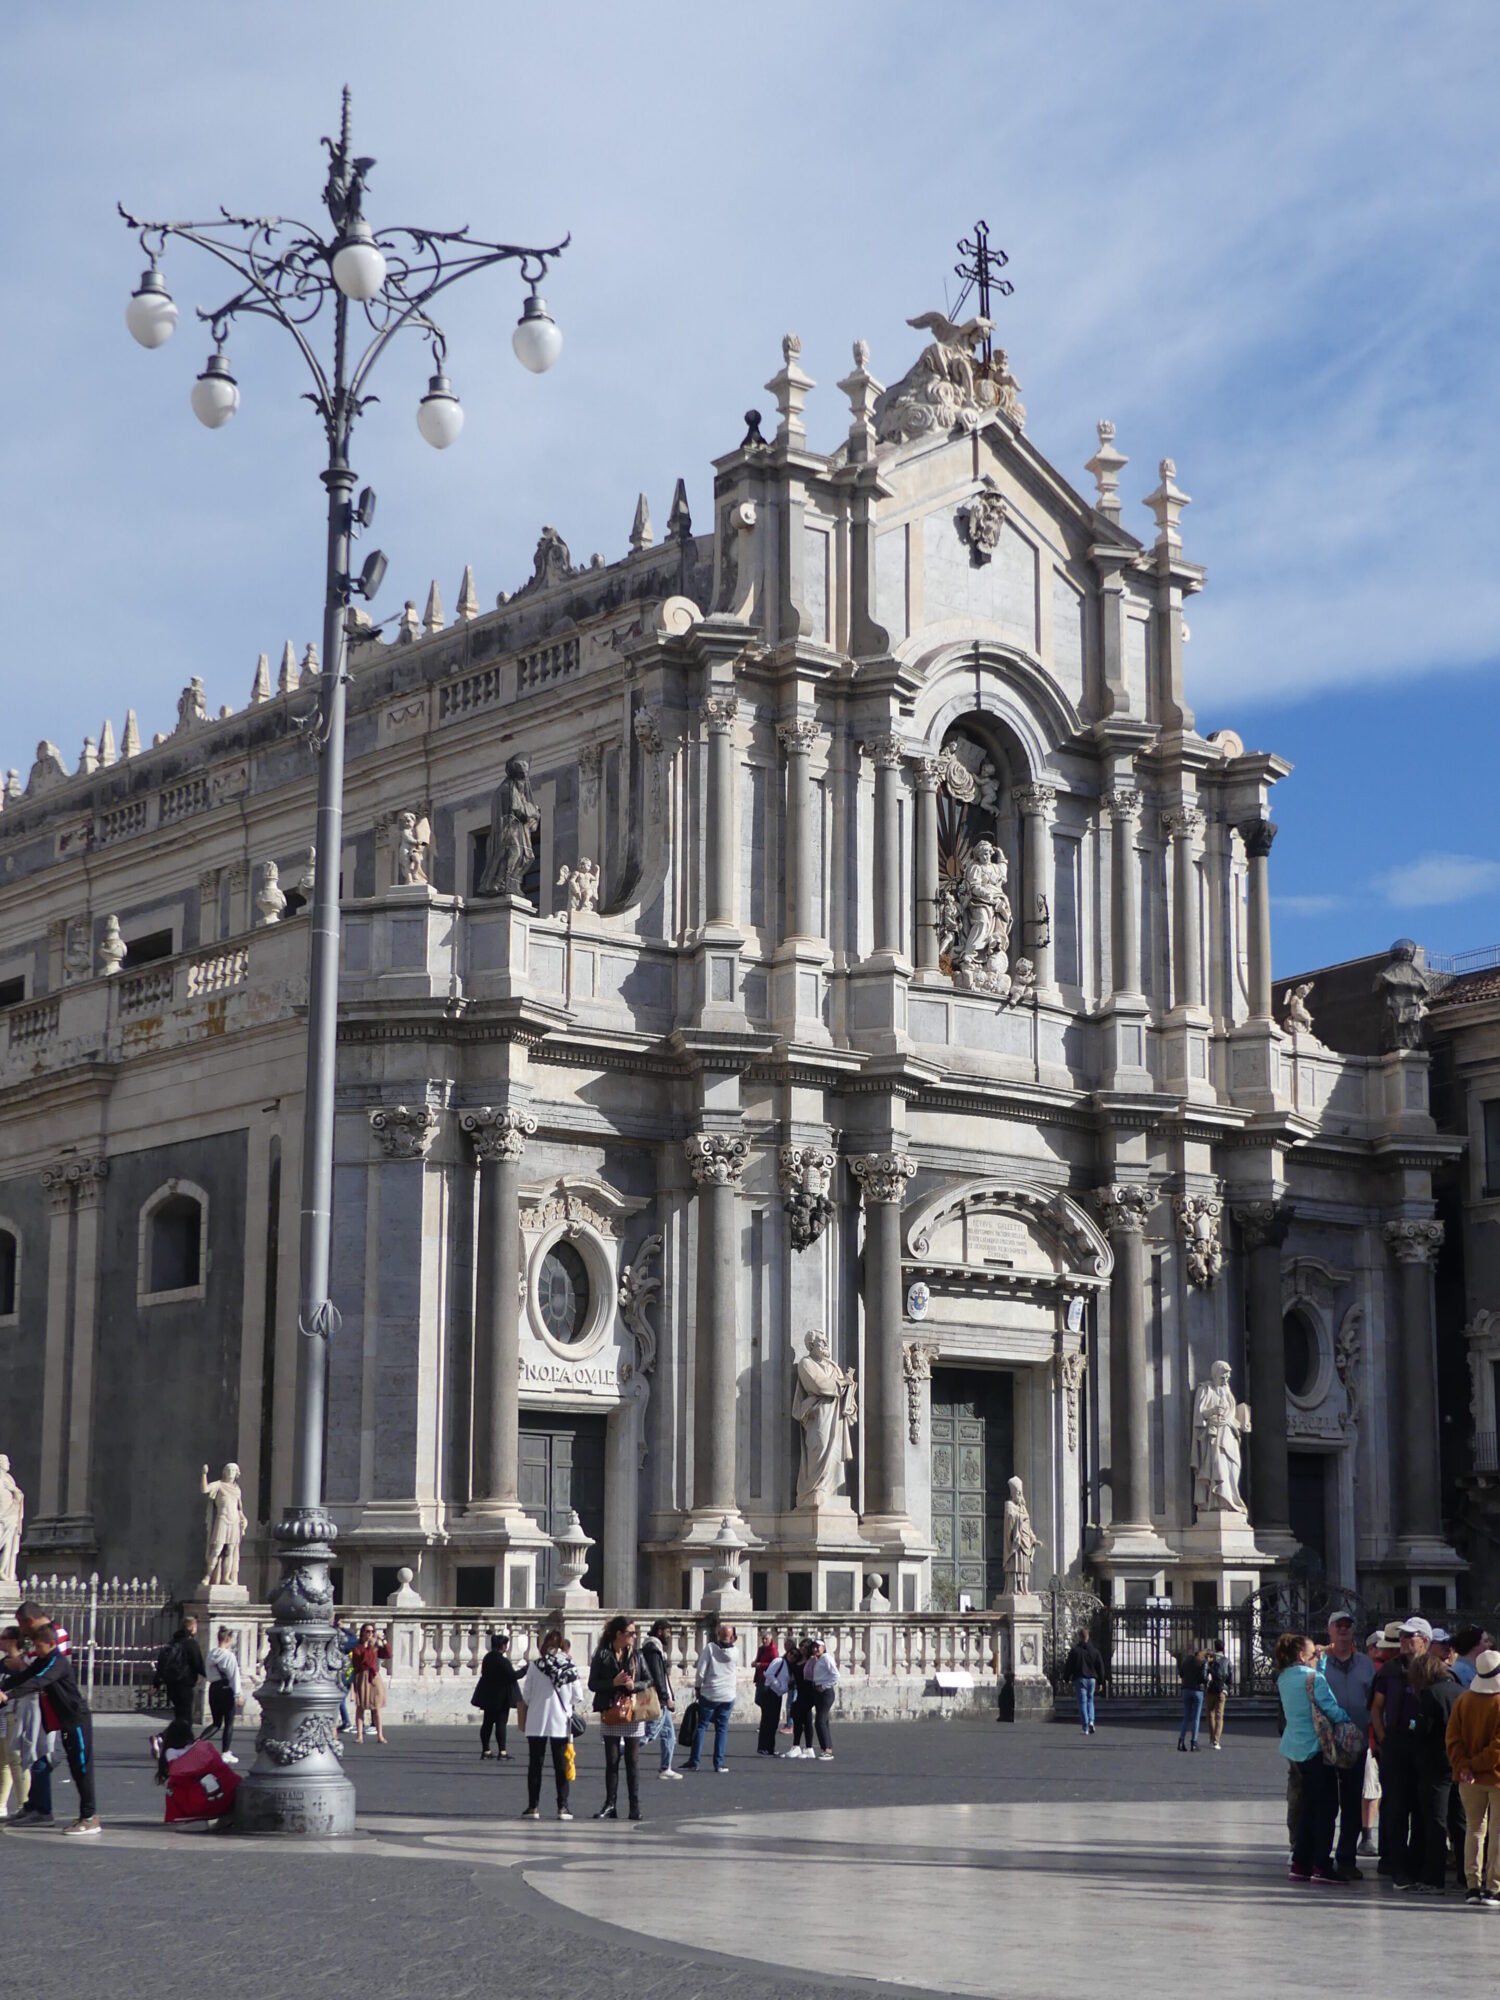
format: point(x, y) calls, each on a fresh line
point(1011, 1231)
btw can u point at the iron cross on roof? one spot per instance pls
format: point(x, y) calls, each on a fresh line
point(980, 271)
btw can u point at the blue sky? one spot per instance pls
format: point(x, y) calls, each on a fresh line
point(1260, 238)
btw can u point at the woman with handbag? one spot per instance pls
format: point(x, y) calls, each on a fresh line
point(620, 1684)
point(1309, 1707)
point(548, 1714)
point(369, 1682)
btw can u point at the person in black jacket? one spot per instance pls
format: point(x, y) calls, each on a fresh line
point(181, 1668)
point(1437, 1690)
point(1192, 1672)
point(617, 1674)
point(50, 1679)
point(498, 1692)
point(1084, 1667)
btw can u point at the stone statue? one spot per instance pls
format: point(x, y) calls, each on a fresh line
point(1218, 1424)
point(413, 838)
point(974, 919)
point(944, 387)
point(112, 949)
point(1020, 1541)
point(226, 1526)
point(514, 820)
point(1405, 988)
point(12, 1519)
point(192, 708)
point(825, 1404)
point(270, 897)
point(1295, 1017)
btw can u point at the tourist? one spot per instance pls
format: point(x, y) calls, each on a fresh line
point(791, 1650)
point(30, 1618)
point(1468, 1643)
point(20, 1729)
point(179, 1668)
point(1350, 1675)
point(662, 1729)
point(549, 1707)
point(225, 1691)
point(802, 1700)
point(1215, 1691)
point(822, 1676)
point(616, 1676)
point(369, 1682)
point(1300, 1684)
point(495, 1694)
point(1084, 1667)
point(1473, 1743)
point(50, 1680)
point(716, 1678)
point(1190, 1671)
point(768, 1694)
point(1437, 1692)
point(1393, 1710)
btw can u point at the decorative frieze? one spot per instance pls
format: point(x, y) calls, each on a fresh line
point(717, 1159)
point(405, 1131)
point(1413, 1242)
point(497, 1133)
point(916, 1368)
point(1348, 1349)
point(882, 1176)
point(804, 1175)
point(1199, 1219)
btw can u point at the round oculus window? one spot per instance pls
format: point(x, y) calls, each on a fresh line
point(1301, 1354)
point(563, 1293)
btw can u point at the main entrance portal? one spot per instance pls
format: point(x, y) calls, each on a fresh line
point(562, 1468)
point(973, 1455)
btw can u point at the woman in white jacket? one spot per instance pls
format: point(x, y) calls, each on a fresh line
point(822, 1676)
point(549, 1694)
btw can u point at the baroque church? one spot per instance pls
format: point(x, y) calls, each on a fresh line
point(826, 922)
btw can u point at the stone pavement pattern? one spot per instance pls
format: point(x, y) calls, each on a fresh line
point(929, 1859)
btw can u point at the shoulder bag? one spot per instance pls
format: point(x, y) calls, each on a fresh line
point(1342, 1743)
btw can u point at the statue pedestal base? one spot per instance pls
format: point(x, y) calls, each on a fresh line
point(1133, 1561)
point(1220, 1548)
point(1025, 1691)
point(827, 1536)
point(10, 1597)
point(222, 1596)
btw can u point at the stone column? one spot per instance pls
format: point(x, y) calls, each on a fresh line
point(1258, 835)
point(80, 1453)
point(926, 769)
point(59, 1183)
point(1414, 1245)
point(1039, 805)
point(1124, 809)
point(1263, 1226)
point(886, 752)
point(499, 1138)
point(1185, 826)
point(719, 711)
point(717, 1161)
point(1124, 1207)
point(882, 1181)
point(797, 739)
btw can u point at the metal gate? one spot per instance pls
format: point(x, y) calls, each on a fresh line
point(115, 1630)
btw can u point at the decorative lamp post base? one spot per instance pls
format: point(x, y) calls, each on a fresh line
point(297, 1782)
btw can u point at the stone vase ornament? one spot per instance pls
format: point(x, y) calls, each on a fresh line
point(112, 949)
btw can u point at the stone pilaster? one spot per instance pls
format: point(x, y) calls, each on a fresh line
point(1258, 834)
point(925, 770)
point(719, 712)
point(1414, 1243)
point(798, 971)
point(1263, 1230)
point(887, 752)
point(499, 1139)
point(61, 1530)
point(1184, 827)
point(882, 1179)
point(1131, 1549)
point(1124, 809)
point(716, 1161)
point(1038, 805)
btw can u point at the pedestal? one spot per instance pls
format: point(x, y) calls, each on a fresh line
point(1026, 1693)
point(490, 1532)
point(1221, 1548)
point(830, 1539)
point(1134, 1560)
point(10, 1597)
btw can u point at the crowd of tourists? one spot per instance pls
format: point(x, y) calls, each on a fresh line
point(1393, 1753)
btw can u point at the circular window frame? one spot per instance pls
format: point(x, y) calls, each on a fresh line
point(1321, 1380)
point(601, 1276)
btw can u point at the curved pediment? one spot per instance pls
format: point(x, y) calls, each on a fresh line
point(1016, 1229)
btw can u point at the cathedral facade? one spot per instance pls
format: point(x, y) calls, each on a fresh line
point(828, 922)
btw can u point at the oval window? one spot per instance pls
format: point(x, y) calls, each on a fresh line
point(563, 1293)
point(1301, 1354)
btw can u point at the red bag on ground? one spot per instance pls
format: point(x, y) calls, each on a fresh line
point(200, 1785)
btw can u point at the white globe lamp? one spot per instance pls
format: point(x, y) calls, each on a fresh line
point(537, 338)
point(440, 415)
point(216, 394)
point(152, 312)
point(359, 263)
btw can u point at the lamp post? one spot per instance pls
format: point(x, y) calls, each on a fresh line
point(287, 272)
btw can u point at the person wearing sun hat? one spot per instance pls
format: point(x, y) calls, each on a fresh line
point(1393, 1711)
point(1473, 1744)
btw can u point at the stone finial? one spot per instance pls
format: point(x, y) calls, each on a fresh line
point(1106, 465)
point(432, 617)
point(410, 627)
point(311, 666)
point(1167, 503)
point(679, 520)
point(270, 897)
point(130, 745)
point(108, 754)
point(112, 949)
point(88, 759)
point(307, 881)
point(641, 534)
point(12, 785)
point(260, 687)
point(468, 598)
point(790, 386)
point(288, 680)
point(192, 708)
point(860, 386)
point(48, 769)
point(225, 711)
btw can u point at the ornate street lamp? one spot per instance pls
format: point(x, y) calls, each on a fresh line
point(287, 272)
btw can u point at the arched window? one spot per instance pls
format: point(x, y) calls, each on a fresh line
point(10, 1274)
point(174, 1243)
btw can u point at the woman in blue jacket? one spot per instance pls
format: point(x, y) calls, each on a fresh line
point(1300, 1682)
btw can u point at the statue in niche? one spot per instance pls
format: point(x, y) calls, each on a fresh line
point(1218, 1425)
point(1405, 989)
point(514, 821)
point(1020, 1541)
point(825, 1403)
point(12, 1520)
point(226, 1526)
point(413, 838)
point(974, 919)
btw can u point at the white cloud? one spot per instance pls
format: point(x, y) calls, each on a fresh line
point(1434, 879)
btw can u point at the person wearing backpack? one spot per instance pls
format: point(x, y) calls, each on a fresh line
point(179, 1668)
point(1215, 1690)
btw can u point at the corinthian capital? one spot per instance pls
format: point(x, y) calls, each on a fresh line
point(405, 1131)
point(882, 1176)
point(1184, 820)
point(1038, 799)
point(1263, 1223)
point(719, 711)
point(1123, 805)
point(886, 752)
point(1412, 1242)
point(797, 737)
point(1257, 835)
point(717, 1159)
point(497, 1134)
point(1123, 1206)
